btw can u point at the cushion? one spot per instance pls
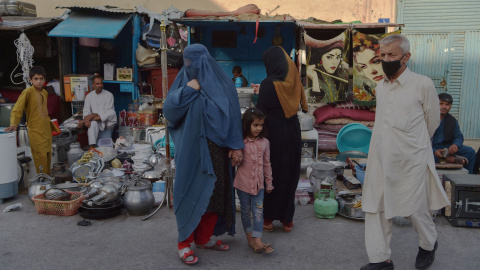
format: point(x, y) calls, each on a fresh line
point(346, 121)
point(330, 112)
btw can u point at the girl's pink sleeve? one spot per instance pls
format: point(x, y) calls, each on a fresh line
point(267, 166)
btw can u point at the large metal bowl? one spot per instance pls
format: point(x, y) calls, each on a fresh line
point(57, 194)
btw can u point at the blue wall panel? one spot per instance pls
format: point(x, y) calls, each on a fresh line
point(246, 54)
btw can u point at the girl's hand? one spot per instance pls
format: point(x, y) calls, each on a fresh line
point(269, 191)
point(236, 156)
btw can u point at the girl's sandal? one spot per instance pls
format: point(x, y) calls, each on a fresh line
point(266, 248)
point(185, 254)
point(219, 245)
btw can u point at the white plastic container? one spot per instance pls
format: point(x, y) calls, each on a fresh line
point(8, 166)
point(105, 142)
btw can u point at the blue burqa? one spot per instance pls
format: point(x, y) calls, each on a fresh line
point(212, 112)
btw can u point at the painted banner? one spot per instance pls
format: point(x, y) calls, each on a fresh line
point(327, 68)
point(367, 66)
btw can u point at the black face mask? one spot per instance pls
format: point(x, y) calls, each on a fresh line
point(392, 67)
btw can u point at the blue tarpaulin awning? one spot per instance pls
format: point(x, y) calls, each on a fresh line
point(80, 24)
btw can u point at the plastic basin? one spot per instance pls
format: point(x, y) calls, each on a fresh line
point(354, 137)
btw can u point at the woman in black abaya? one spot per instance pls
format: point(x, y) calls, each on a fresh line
point(279, 98)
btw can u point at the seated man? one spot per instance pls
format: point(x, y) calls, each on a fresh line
point(449, 136)
point(99, 114)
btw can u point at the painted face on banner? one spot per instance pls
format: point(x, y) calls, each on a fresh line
point(370, 64)
point(331, 60)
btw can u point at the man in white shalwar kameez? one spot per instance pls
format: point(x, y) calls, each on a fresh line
point(99, 114)
point(401, 179)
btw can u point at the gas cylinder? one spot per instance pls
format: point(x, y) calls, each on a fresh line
point(325, 206)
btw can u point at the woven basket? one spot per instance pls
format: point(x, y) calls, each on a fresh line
point(59, 208)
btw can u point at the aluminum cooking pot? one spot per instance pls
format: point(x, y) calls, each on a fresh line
point(138, 198)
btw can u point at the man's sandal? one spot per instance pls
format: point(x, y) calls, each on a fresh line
point(187, 257)
point(266, 248)
point(219, 245)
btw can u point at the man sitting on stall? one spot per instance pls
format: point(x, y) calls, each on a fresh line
point(99, 114)
point(448, 137)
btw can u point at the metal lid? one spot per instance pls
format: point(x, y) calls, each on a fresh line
point(323, 166)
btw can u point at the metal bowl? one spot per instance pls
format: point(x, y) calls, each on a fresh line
point(57, 194)
point(150, 176)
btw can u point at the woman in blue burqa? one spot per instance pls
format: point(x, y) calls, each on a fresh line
point(203, 112)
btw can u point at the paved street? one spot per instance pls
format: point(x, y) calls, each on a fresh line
point(32, 241)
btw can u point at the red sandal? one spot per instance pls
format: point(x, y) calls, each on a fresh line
point(186, 255)
point(216, 246)
point(268, 225)
point(287, 227)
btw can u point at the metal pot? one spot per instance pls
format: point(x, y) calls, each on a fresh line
point(108, 193)
point(38, 186)
point(61, 174)
point(137, 133)
point(23, 136)
point(74, 154)
point(138, 198)
point(320, 172)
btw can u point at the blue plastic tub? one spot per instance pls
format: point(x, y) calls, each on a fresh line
point(354, 137)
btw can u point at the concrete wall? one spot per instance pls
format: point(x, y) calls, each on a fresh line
point(345, 10)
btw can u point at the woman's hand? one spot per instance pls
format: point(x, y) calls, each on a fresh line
point(194, 84)
point(312, 75)
point(269, 191)
point(236, 156)
point(256, 88)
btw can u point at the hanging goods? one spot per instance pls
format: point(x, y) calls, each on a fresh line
point(168, 173)
point(24, 57)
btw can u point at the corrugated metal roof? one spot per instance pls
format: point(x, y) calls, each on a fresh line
point(19, 22)
point(112, 9)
